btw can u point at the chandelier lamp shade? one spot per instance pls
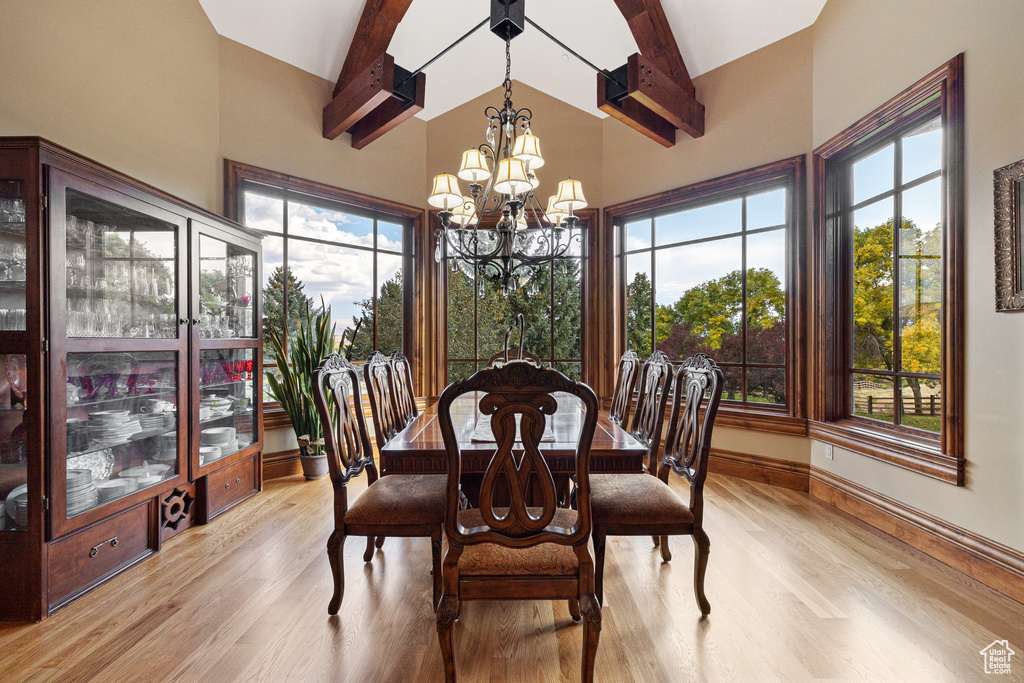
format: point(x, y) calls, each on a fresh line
point(501, 177)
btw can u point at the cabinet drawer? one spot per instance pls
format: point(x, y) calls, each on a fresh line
point(96, 553)
point(229, 486)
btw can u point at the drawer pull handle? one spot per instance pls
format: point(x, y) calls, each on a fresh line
point(96, 548)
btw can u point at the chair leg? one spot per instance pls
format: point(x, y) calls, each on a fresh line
point(335, 544)
point(599, 541)
point(702, 547)
point(447, 611)
point(656, 540)
point(368, 553)
point(574, 609)
point(666, 554)
point(435, 556)
point(380, 541)
point(591, 609)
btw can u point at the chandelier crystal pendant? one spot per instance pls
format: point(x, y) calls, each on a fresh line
point(502, 177)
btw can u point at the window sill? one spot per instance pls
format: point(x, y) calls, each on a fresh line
point(917, 454)
point(274, 416)
point(763, 420)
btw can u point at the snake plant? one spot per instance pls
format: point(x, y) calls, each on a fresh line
point(313, 341)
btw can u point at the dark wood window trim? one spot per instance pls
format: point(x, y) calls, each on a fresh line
point(589, 342)
point(789, 419)
point(237, 175)
point(940, 457)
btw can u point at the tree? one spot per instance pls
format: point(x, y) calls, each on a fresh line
point(920, 307)
point(357, 340)
point(872, 297)
point(638, 314)
point(496, 311)
point(274, 298)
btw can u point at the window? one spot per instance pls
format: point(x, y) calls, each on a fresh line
point(712, 268)
point(350, 252)
point(479, 314)
point(890, 193)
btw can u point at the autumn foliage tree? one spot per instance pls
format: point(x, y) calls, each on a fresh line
point(709, 318)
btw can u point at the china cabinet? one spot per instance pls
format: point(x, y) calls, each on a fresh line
point(130, 350)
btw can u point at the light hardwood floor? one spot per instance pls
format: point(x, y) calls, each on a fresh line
point(798, 591)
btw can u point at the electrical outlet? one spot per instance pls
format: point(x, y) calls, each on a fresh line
point(828, 452)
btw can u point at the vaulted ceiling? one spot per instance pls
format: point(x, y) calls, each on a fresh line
point(315, 36)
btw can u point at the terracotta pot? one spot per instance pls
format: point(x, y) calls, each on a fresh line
point(314, 466)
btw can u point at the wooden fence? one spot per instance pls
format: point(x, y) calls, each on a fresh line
point(883, 405)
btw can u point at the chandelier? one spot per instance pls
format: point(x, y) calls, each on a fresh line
point(503, 183)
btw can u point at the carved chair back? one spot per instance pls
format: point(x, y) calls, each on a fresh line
point(340, 406)
point(654, 386)
point(625, 383)
point(380, 385)
point(405, 397)
point(696, 395)
point(523, 393)
point(514, 354)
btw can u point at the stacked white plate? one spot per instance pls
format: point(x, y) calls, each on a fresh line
point(110, 427)
point(113, 489)
point(168, 447)
point(82, 493)
point(151, 421)
point(222, 437)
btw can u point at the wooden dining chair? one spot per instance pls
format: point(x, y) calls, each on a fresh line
point(380, 386)
point(644, 505)
point(396, 505)
point(381, 383)
point(405, 396)
point(505, 549)
point(625, 384)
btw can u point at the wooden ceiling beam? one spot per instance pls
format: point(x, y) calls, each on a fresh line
point(366, 100)
point(373, 36)
point(659, 97)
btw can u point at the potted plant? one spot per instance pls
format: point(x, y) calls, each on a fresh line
point(293, 389)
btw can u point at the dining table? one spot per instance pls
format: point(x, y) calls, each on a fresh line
point(419, 448)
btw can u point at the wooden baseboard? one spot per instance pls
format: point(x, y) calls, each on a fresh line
point(281, 464)
point(782, 473)
point(993, 564)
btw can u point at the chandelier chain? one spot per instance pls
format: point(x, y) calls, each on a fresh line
point(508, 71)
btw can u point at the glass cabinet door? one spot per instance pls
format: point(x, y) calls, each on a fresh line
point(121, 271)
point(227, 287)
point(13, 256)
point(122, 425)
point(13, 447)
point(227, 381)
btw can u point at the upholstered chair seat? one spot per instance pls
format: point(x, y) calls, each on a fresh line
point(622, 500)
point(491, 559)
point(400, 499)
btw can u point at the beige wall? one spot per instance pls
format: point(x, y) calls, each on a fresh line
point(853, 74)
point(272, 116)
point(570, 140)
point(757, 110)
point(130, 84)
